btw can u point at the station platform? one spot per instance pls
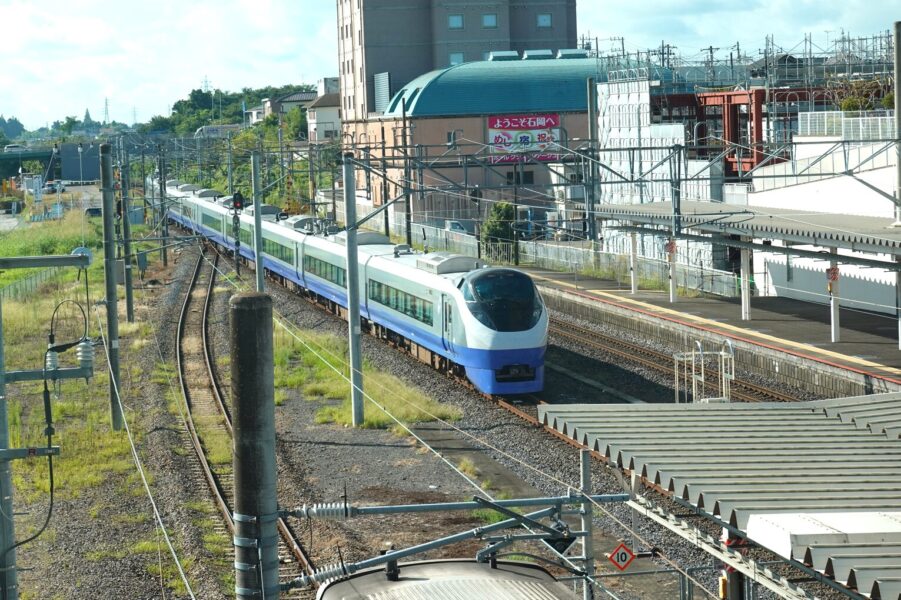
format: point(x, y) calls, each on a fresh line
point(796, 331)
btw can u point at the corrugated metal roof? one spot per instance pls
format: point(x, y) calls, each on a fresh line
point(855, 232)
point(794, 477)
point(882, 415)
point(500, 87)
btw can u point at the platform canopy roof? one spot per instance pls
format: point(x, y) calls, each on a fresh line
point(827, 230)
point(754, 466)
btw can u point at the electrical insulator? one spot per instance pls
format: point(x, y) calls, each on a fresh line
point(84, 352)
point(52, 361)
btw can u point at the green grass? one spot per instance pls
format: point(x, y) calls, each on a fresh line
point(163, 373)
point(50, 237)
point(318, 370)
point(467, 467)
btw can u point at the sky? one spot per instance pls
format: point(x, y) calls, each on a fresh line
point(61, 57)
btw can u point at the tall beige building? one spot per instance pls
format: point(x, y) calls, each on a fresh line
point(384, 44)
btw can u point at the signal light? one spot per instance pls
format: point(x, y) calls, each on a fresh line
point(238, 201)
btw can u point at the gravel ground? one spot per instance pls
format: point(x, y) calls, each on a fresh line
point(317, 463)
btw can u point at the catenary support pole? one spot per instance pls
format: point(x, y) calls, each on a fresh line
point(231, 183)
point(164, 222)
point(353, 291)
point(252, 384)
point(593, 142)
point(897, 42)
point(586, 515)
point(126, 235)
point(735, 580)
point(8, 576)
point(281, 159)
point(387, 217)
point(311, 176)
point(257, 220)
point(107, 192)
point(745, 284)
point(834, 300)
point(408, 201)
point(671, 260)
point(633, 261)
point(898, 300)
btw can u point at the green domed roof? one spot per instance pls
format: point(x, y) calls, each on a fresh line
point(504, 86)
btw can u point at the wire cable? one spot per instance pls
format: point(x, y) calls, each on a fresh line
point(139, 464)
point(283, 323)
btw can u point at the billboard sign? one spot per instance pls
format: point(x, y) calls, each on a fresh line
point(512, 137)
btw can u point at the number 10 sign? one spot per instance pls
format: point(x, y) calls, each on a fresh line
point(622, 557)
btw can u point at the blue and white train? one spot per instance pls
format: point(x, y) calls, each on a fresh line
point(451, 311)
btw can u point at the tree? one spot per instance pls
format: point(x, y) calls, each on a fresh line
point(70, 124)
point(888, 101)
point(296, 124)
point(499, 224)
point(11, 127)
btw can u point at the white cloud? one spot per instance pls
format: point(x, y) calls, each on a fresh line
point(61, 57)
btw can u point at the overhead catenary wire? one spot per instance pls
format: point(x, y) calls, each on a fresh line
point(140, 468)
point(320, 352)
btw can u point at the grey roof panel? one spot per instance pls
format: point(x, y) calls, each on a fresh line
point(770, 463)
point(839, 566)
point(873, 234)
point(863, 578)
point(817, 556)
point(886, 588)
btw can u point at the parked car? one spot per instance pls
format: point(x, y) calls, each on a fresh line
point(93, 211)
point(52, 187)
point(454, 226)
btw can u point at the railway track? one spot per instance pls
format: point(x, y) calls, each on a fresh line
point(660, 362)
point(208, 421)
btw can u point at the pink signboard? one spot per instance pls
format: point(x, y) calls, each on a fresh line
point(512, 137)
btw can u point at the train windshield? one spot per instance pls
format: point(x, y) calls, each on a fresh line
point(503, 300)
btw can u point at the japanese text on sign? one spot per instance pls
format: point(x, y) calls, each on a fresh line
point(513, 135)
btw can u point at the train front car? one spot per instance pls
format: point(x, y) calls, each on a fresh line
point(506, 326)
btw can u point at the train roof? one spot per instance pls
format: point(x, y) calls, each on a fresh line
point(450, 580)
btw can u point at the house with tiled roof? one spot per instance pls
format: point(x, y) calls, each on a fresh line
point(286, 103)
point(324, 118)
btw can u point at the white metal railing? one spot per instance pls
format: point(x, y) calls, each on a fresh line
point(848, 125)
point(573, 257)
point(842, 158)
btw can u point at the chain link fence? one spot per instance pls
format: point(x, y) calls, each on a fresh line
point(24, 288)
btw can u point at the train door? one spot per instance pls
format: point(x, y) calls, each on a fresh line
point(447, 323)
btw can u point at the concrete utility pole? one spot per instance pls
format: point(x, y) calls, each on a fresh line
point(107, 192)
point(253, 407)
point(353, 292)
point(126, 235)
point(257, 220)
